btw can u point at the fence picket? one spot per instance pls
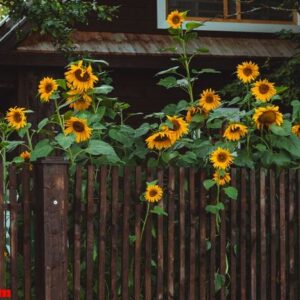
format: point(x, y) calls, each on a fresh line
point(160, 244)
point(114, 233)
point(202, 238)
point(192, 254)
point(90, 234)
point(273, 235)
point(102, 232)
point(26, 231)
point(212, 238)
point(138, 242)
point(2, 230)
point(77, 234)
point(171, 217)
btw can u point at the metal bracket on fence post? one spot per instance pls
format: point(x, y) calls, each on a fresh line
point(51, 193)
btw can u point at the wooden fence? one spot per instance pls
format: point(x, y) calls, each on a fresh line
point(87, 238)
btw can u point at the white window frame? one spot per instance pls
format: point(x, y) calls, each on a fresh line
point(228, 26)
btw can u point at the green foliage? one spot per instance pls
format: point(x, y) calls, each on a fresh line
point(58, 18)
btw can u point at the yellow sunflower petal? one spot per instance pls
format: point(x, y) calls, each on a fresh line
point(154, 193)
point(175, 19)
point(47, 87)
point(209, 100)
point(79, 127)
point(221, 178)
point(25, 155)
point(266, 116)
point(235, 132)
point(247, 71)
point(221, 158)
point(160, 140)
point(263, 90)
point(180, 127)
point(16, 117)
point(296, 130)
point(83, 101)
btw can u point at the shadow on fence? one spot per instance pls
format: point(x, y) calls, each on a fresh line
point(78, 237)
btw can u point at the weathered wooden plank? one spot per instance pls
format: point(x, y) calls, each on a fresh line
point(160, 244)
point(223, 247)
point(282, 235)
point(291, 229)
point(182, 279)
point(233, 236)
point(171, 229)
point(102, 232)
point(212, 238)
point(114, 233)
point(192, 217)
point(138, 242)
point(202, 238)
point(77, 234)
point(273, 235)
point(90, 234)
point(263, 241)
point(26, 231)
point(13, 231)
point(2, 231)
point(243, 214)
point(125, 244)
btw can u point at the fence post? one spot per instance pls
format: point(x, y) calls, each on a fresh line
point(51, 189)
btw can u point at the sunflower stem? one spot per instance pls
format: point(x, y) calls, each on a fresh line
point(145, 221)
point(29, 140)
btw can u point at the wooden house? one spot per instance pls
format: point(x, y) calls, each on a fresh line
point(233, 32)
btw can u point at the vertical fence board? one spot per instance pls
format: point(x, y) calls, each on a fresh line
point(212, 238)
point(253, 234)
point(138, 242)
point(77, 234)
point(291, 228)
point(125, 244)
point(2, 231)
point(298, 239)
point(273, 235)
point(90, 234)
point(243, 214)
point(13, 231)
point(202, 238)
point(160, 245)
point(114, 233)
point(26, 231)
point(171, 217)
point(192, 256)
point(282, 235)
point(222, 251)
point(102, 232)
point(181, 235)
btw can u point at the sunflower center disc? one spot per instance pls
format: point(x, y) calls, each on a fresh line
point(78, 126)
point(176, 125)
point(222, 157)
point(17, 117)
point(209, 99)
point(176, 20)
point(82, 76)
point(161, 138)
point(48, 88)
point(269, 117)
point(263, 88)
point(234, 130)
point(152, 193)
point(247, 71)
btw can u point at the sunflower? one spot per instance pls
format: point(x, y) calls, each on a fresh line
point(160, 140)
point(81, 77)
point(79, 128)
point(221, 178)
point(16, 117)
point(235, 131)
point(47, 87)
point(83, 101)
point(25, 155)
point(266, 116)
point(209, 100)
point(192, 111)
point(154, 193)
point(296, 130)
point(175, 19)
point(221, 158)
point(263, 90)
point(247, 71)
point(180, 127)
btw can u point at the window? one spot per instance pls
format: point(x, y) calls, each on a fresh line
point(233, 15)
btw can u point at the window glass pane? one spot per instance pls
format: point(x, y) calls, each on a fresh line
point(198, 8)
